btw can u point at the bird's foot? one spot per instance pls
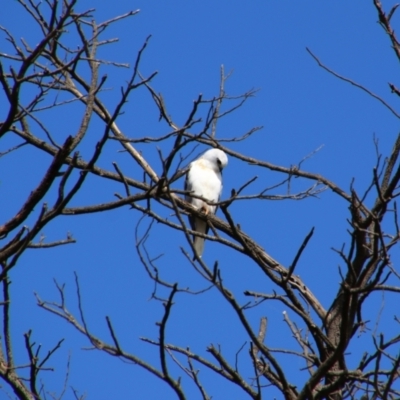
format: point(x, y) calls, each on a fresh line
point(205, 210)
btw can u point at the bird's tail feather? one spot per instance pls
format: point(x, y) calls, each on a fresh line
point(201, 226)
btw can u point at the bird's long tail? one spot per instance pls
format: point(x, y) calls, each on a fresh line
point(201, 226)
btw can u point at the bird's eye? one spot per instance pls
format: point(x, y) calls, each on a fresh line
point(219, 161)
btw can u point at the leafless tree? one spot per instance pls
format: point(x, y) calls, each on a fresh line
point(62, 75)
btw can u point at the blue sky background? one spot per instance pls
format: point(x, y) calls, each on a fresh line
point(301, 108)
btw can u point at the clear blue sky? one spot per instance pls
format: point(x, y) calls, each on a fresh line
point(300, 106)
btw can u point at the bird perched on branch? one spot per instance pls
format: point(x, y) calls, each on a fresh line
point(204, 179)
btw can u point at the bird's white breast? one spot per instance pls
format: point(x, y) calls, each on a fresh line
point(204, 181)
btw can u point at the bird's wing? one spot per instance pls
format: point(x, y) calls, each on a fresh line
point(196, 182)
point(189, 188)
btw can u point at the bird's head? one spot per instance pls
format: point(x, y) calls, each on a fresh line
point(217, 157)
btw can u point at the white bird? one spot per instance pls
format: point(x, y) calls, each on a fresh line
point(204, 179)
